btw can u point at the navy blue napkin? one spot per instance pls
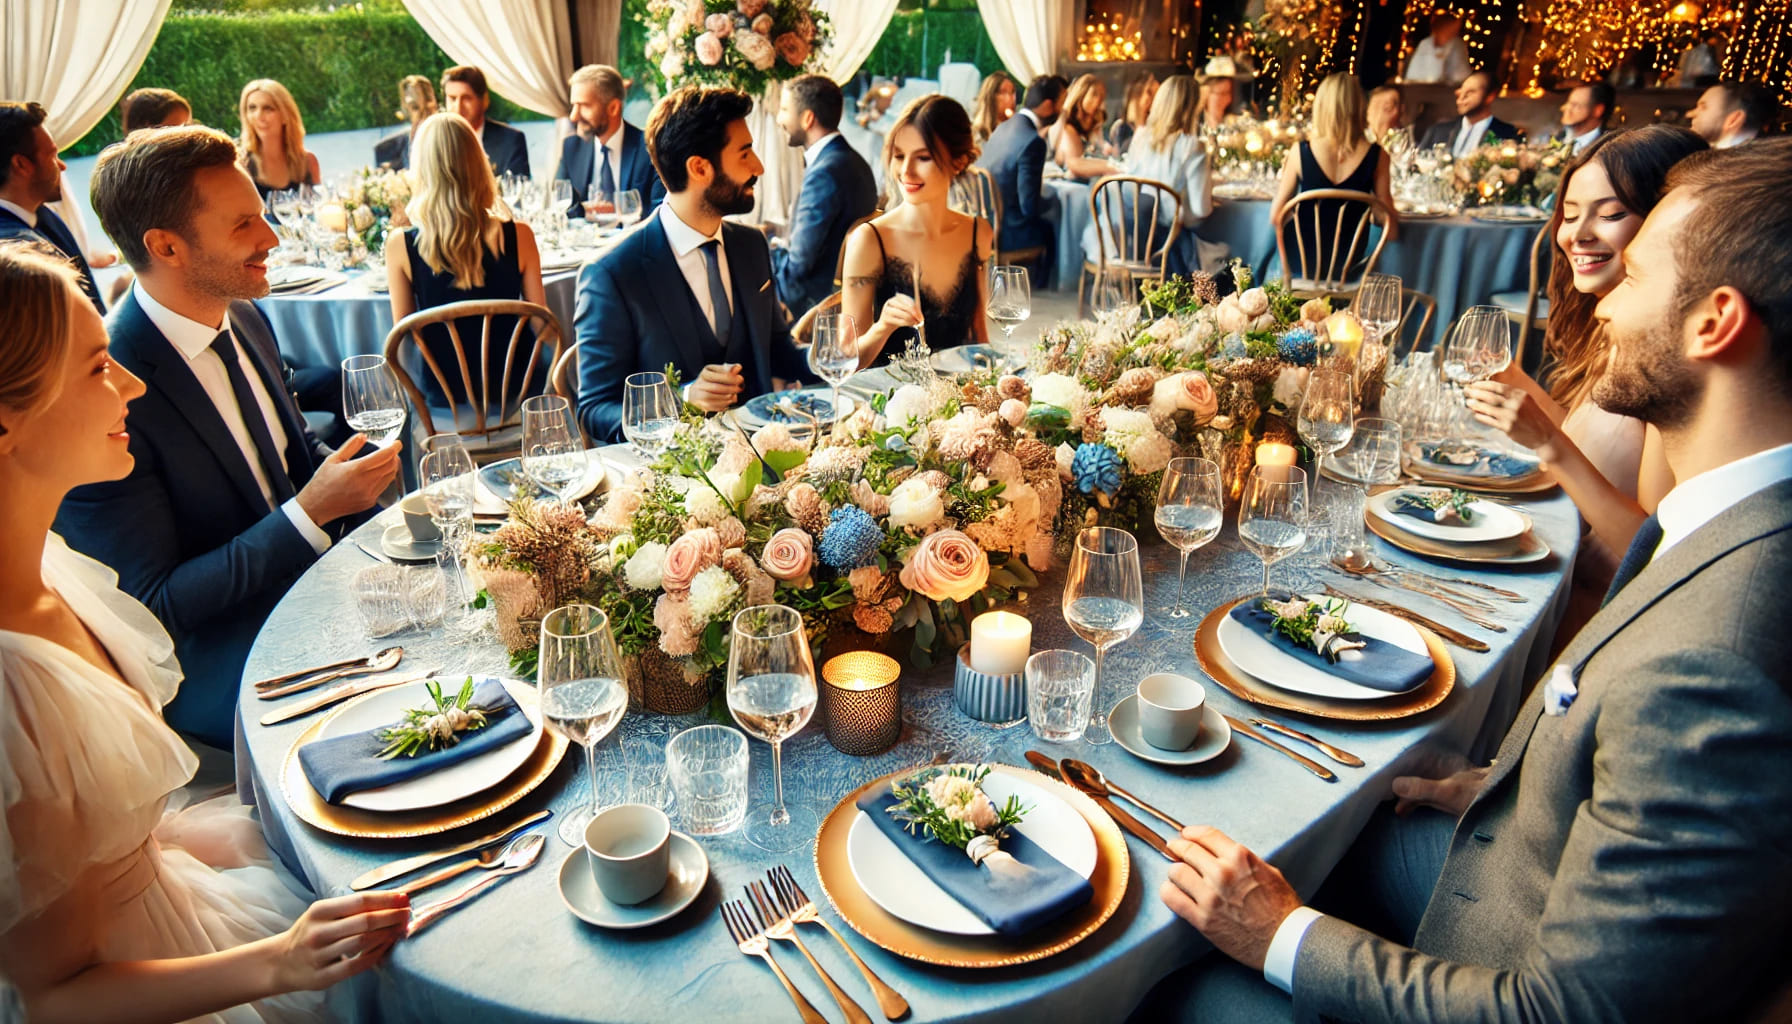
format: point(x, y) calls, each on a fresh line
point(1052, 891)
point(1381, 667)
point(347, 765)
point(1414, 510)
point(1493, 465)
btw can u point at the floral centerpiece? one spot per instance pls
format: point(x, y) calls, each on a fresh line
point(743, 44)
point(373, 203)
point(1511, 173)
point(1242, 146)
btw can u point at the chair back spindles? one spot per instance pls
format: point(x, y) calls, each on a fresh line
point(456, 380)
point(1133, 243)
point(1339, 266)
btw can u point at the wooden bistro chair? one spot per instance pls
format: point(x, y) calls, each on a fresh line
point(1130, 240)
point(488, 419)
point(1337, 267)
point(975, 193)
point(1529, 309)
point(1413, 333)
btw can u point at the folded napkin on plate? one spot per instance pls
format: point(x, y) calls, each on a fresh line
point(1424, 514)
point(1052, 891)
point(1381, 665)
point(347, 765)
point(1490, 465)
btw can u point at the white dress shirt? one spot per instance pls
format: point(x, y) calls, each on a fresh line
point(1694, 502)
point(1580, 142)
point(1038, 126)
point(813, 149)
point(1732, 141)
point(686, 242)
point(1469, 135)
point(193, 340)
point(1431, 63)
point(28, 216)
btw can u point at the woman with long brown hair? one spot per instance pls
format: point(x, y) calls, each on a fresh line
point(996, 101)
point(1141, 92)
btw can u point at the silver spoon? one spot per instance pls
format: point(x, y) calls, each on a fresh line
point(518, 856)
point(1087, 777)
point(383, 661)
point(522, 849)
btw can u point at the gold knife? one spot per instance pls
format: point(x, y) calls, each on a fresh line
point(1305, 762)
point(1139, 829)
point(1455, 636)
point(339, 693)
point(1337, 754)
point(399, 868)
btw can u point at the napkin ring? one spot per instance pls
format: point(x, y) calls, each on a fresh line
point(996, 699)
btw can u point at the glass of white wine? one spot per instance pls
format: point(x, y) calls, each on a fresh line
point(1189, 513)
point(1327, 413)
point(1104, 603)
point(1010, 304)
point(553, 452)
point(370, 399)
point(583, 696)
point(771, 694)
point(649, 413)
point(1272, 521)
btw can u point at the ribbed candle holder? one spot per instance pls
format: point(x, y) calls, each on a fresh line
point(998, 700)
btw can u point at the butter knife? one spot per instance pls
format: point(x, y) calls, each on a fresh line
point(400, 868)
point(338, 693)
point(1303, 760)
point(1337, 754)
point(1126, 821)
point(1455, 636)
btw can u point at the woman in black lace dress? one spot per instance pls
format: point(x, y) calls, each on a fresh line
point(929, 146)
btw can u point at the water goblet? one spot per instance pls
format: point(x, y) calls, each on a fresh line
point(1189, 513)
point(1010, 304)
point(1104, 603)
point(1272, 521)
point(772, 695)
point(1327, 414)
point(649, 413)
point(834, 351)
point(583, 697)
point(553, 452)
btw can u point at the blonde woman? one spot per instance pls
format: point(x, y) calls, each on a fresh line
point(416, 101)
point(273, 139)
point(1168, 148)
point(1337, 154)
point(1141, 91)
point(1078, 131)
point(457, 249)
point(996, 101)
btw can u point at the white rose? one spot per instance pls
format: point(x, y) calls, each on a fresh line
point(917, 504)
point(1264, 322)
point(1149, 454)
point(672, 64)
point(1289, 385)
point(1066, 456)
point(1231, 317)
point(1254, 302)
point(1060, 390)
point(910, 404)
point(643, 570)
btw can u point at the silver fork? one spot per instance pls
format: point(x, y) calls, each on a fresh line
point(801, 910)
point(754, 943)
point(779, 926)
point(1389, 582)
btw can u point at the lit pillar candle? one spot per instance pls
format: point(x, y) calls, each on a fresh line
point(1274, 453)
point(1345, 332)
point(332, 217)
point(1000, 643)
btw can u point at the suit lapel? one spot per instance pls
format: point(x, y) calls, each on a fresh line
point(662, 266)
point(584, 156)
point(747, 300)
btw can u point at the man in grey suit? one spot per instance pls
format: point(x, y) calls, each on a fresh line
point(1626, 856)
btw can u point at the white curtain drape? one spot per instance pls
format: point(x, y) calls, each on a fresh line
point(523, 46)
point(74, 56)
point(1028, 34)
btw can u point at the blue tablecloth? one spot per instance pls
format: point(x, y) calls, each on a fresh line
point(1073, 218)
point(517, 955)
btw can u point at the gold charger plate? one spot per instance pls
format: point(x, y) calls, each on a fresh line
point(347, 821)
point(1244, 686)
point(1113, 866)
point(1526, 550)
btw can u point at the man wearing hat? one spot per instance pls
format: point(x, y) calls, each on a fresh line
point(1219, 89)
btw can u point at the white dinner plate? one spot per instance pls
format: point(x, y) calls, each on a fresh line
point(488, 501)
point(894, 882)
point(1268, 661)
point(1492, 521)
point(444, 785)
point(756, 412)
point(972, 359)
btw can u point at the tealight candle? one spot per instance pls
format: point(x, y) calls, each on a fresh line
point(1345, 332)
point(1000, 643)
point(332, 217)
point(1275, 453)
point(862, 702)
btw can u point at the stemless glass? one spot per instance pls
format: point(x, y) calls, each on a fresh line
point(1327, 413)
point(834, 352)
point(1104, 603)
point(1272, 521)
point(370, 399)
point(553, 452)
point(1010, 304)
point(649, 413)
point(772, 695)
point(707, 766)
point(1189, 512)
point(583, 697)
point(1060, 695)
point(446, 479)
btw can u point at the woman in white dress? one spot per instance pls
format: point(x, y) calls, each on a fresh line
point(113, 907)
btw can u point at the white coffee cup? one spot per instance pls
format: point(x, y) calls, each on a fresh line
point(416, 516)
point(1170, 710)
point(629, 847)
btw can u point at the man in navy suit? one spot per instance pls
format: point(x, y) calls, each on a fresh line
point(597, 92)
point(686, 287)
point(1015, 154)
point(231, 497)
point(838, 189)
point(464, 92)
point(1476, 124)
point(31, 178)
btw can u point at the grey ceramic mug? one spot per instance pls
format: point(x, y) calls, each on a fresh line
point(1170, 709)
point(629, 847)
point(417, 518)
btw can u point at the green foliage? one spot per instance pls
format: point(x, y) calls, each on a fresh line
point(917, 41)
point(416, 732)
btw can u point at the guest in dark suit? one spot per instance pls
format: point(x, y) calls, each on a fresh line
point(1475, 124)
point(416, 102)
point(31, 178)
point(838, 189)
point(722, 329)
point(597, 91)
point(231, 497)
point(1624, 857)
point(464, 92)
point(153, 108)
point(1016, 155)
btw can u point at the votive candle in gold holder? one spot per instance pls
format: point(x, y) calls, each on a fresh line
point(863, 702)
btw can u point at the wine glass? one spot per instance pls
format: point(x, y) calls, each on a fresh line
point(1104, 603)
point(1272, 521)
point(370, 399)
point(445, 476)
point(628, 206)
point(553, 452)
point(834, 352)
point(649, 413)
point(1188, 512)
point(1010, 304)
point(1377, 305)
point(1479, 347)
point(583, 696)
point(561, 194)
point(1375, 450)
point(1111, 293)
point(771, 693)
point(1327, 413)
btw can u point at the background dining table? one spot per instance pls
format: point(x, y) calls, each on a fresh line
point(517, 954)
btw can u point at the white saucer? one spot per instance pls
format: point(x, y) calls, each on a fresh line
point(1123, 722)
point(397, 544)
point(688, 873)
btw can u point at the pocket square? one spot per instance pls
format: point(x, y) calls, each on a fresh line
point(766, 285)
point(1559, 692)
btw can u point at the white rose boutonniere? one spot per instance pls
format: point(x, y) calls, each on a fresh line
point(948, 804)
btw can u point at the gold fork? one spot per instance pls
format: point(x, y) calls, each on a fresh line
point(801, 910)
point(779, 926)
point(754, 943)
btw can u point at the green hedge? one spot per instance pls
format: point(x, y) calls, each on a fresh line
point(916, 43)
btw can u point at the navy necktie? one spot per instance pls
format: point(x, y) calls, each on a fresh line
point(722, 317)
point(606, 181)
point(271, 464)
point(1642, 549)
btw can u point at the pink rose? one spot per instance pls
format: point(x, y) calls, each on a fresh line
point(789, 554)
point(688, 556)
point(791, 47)
point(672, 617)
point(763, 25)
point(750, 8)
point(1195, 393)
point(946, 565)
point(709, 49)
point(719, 25)
point(756, 49)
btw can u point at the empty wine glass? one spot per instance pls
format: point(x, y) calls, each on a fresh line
point(1377, 305)
point(628, 206)
point(1272, 521)
point(561, 195)
point(1104, 603)
point(1327, 413)
point(1479, 347)
point(1010, 304)
point(1189, 512)
point(583, 697)
point(553, 452)
point(370, 399)
point(834, 352)
point(445, 477)
point(1374, 454)
point(1113, 293)
point(771, 694)
point(649, 413)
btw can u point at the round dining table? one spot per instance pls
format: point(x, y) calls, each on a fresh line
point(517, 954)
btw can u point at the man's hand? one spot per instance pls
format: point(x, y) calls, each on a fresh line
point(1511, 411)
point(1229, 893)
point(717, 387)
point(344, 485)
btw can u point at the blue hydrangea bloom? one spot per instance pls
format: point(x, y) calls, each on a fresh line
point(1096, 467)
point(1233, 346)
point(851, 539)
point(1299, 346)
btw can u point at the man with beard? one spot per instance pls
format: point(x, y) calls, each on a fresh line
point(231, 498)
point(687, 288)
point(30, 180)
point(838, 190)
point(1625, 856)
point(605, 155)
point(1015, 156)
